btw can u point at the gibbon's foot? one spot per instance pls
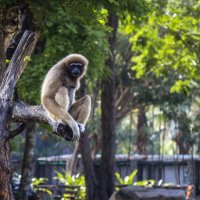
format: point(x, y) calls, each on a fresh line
point(66, 132)
point(81, 127)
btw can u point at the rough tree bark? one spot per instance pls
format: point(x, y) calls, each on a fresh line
point(7, 88)
point(24, 22)
point(28, 162)
point(5, 165)
point(5, 173)
point(108, 118)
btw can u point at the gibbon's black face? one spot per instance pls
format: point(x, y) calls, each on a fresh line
point(75, 69)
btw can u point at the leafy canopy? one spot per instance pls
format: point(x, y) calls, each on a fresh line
point(166, 44)
point(65, 30)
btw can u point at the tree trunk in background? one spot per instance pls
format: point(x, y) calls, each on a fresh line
point(108, 118)
point(142, 138)
point(183, 147)
point(183, 136)
point(28, 164)
point(92, 186)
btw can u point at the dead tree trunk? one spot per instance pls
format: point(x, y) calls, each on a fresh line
point(7, 88)
point(28, 162)
point(108, 118)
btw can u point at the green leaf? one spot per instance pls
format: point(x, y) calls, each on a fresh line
point(132, 176)
point(121, 181)
point(7, 61)
point(27, 59)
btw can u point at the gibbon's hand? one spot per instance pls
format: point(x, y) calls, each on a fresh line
point(73, 125)
point(81, 127)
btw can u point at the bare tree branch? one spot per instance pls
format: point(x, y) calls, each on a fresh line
point(11, 76)
point(25, 113)
point(17, 64)
point(16, 131)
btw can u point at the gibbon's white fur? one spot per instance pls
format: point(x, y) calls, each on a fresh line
point(58, 92)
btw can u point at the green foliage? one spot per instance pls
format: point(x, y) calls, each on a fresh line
point(129, 180)
point(62, 34)
point(167, 44)
point(7, 61)
point(38, 181)
point(74, 180)
point(138, 8)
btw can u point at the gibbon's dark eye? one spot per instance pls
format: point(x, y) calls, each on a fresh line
point(75, 69)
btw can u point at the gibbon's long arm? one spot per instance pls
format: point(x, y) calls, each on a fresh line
point(52, 87)
point(57, 112)
point(55, 109)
